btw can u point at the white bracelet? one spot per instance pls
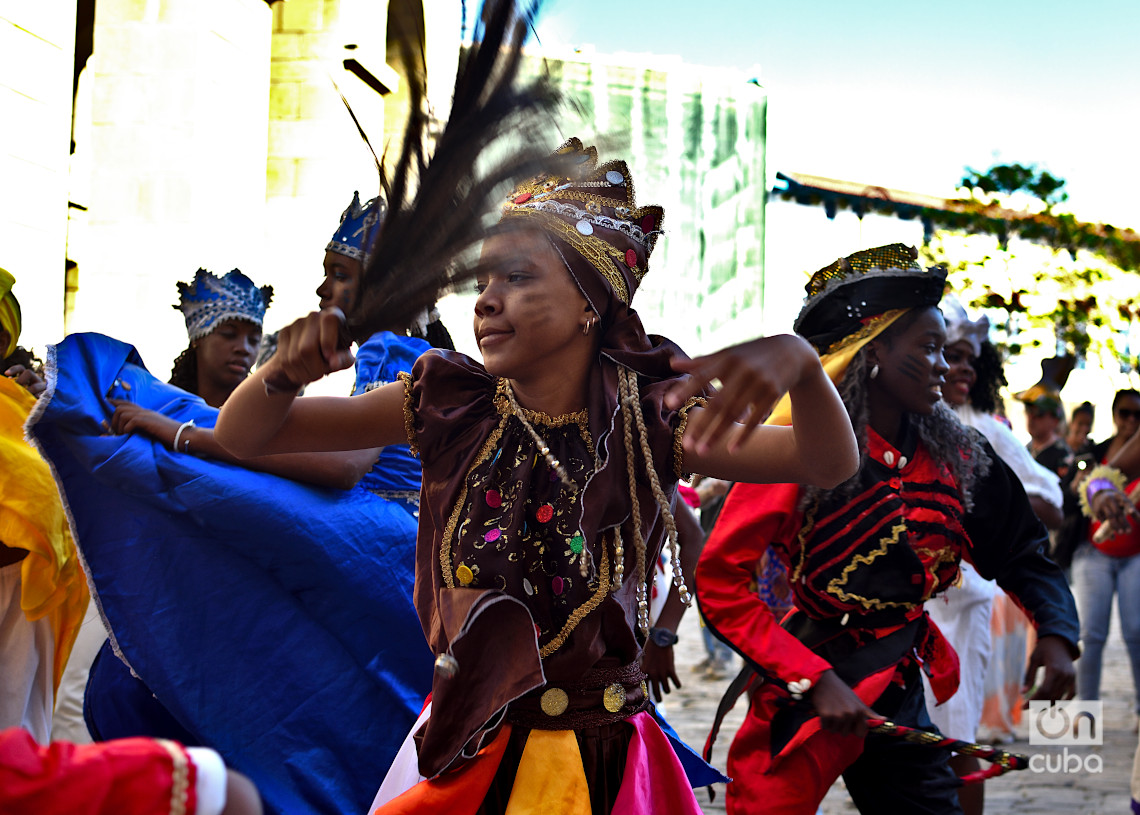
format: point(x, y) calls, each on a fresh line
point(178, 435)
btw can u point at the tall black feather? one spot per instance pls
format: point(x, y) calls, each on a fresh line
point(437, 206)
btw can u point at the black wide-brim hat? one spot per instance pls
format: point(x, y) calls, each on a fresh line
point(844, 296)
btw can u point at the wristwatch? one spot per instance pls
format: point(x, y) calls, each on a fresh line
point(663, 637)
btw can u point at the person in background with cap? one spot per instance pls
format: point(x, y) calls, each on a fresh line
point(43, 593)
point(1044, 416)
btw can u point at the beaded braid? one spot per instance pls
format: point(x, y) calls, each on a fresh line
point(635, 506)
point(631, 406)
point(632, 416)
point(659, 496)
point(585, 561)
point(554, 463)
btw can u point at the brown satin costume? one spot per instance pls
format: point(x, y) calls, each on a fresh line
point(514, 567)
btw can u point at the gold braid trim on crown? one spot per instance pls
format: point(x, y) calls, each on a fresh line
point(598, 252)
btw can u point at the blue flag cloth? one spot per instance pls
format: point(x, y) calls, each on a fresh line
point(272, 619)
point(699, 772)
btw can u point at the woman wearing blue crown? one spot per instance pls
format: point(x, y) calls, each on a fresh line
point(247, 603)
point(381, 356)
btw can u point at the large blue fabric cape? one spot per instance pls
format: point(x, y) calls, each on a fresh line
point(273, 620)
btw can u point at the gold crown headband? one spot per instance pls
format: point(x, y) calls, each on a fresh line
point(572, 204)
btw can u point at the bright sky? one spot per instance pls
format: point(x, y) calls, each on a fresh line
point(905, 93)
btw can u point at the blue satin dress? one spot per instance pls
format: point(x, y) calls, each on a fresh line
point(272, 620)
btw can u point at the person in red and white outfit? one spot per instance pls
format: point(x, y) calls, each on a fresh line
point(864, 557)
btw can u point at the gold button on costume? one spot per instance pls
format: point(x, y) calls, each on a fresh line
point(614, 698)
point(555, 701)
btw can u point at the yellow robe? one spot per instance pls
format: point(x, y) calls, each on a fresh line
point(32, 517)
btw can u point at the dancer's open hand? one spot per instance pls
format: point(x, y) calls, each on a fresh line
point(752, 376)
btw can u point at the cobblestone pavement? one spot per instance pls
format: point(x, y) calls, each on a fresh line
point(690, 710)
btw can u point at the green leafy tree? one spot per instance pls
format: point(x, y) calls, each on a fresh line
point(1064, 282)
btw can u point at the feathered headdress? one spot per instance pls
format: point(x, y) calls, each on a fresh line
point(436, 206)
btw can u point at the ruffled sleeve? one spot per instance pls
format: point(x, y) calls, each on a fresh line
point(1036, 480)
point(450, 407)
point(383, 357)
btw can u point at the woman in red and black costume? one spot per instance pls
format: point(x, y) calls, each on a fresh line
point(865, 556)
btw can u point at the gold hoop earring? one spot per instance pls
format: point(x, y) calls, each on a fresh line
point(586, 328)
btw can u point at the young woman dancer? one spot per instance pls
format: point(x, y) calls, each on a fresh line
point(224, 333)
point(864, 558)
point(548, 473)
point(224, 317)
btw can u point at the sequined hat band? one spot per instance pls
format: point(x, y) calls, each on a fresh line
point(210, 299)
point(357, 230)
point(845, 296)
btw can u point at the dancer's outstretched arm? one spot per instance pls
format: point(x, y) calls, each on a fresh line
point(726, 440)
point(339, 470)
point(264, 417)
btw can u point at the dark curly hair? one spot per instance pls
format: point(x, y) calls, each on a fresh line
point(985, 395)
point(184, 374)
point(950, 443)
